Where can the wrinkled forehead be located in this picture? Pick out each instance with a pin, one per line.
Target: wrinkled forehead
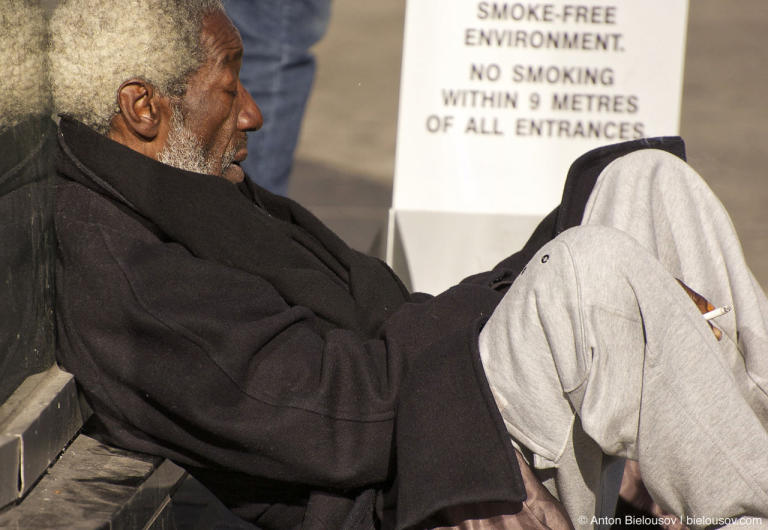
(220, 39)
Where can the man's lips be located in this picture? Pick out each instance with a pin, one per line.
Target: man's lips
(241, 154)
(234, 172)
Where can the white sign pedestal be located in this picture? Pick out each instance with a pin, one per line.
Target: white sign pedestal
(497, 100)
(433, 250)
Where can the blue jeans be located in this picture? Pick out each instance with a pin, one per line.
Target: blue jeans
(277, 70)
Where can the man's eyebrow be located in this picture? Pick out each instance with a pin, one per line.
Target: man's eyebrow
(234, 55)
(231, 55)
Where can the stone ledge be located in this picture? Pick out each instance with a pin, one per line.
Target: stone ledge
(36, 423)
(94, 486)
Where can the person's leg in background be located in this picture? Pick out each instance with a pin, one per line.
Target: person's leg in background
(278, 70)
(635, 366)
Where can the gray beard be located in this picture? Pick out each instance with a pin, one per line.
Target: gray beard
(184, 150)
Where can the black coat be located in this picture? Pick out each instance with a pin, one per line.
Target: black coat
(229, 330)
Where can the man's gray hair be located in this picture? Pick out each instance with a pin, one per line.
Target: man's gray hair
(96, 45)
(23, 86)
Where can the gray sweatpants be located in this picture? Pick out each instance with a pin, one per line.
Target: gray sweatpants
(597, 354)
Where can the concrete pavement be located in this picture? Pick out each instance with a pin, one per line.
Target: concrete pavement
(345, 160)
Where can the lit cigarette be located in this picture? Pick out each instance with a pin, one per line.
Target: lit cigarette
(718, 312)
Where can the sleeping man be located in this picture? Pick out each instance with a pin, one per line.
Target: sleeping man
(211, 322)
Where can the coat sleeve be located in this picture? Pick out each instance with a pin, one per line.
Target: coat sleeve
(209, 366)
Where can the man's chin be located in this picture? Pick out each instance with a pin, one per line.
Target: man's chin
(234, 173)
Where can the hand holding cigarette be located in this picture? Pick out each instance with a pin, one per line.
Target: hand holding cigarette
(707, 310)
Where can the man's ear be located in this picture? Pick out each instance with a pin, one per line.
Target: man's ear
(140, 108)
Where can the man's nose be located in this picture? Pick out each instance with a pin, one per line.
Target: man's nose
(249, 118)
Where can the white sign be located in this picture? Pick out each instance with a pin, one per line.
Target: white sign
(498, 98)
